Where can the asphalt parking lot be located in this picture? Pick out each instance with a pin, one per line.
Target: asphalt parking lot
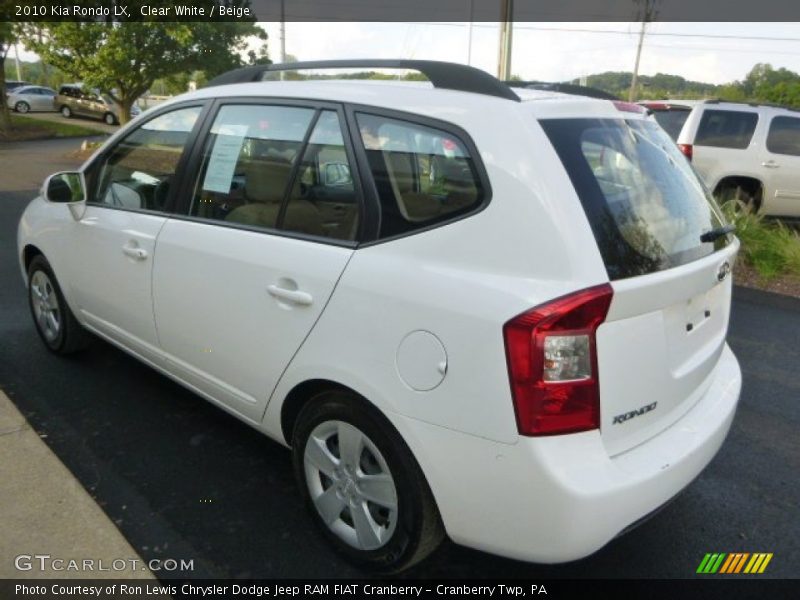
(183, 479)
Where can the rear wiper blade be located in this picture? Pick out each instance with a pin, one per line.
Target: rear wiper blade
(715, 234)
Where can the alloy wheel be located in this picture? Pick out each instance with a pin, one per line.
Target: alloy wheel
(350, 485)
(45, 306)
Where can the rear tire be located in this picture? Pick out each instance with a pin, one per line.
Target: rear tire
(744, 198)
(380, 512)
(66, 112)
(22, 107)
(55, 323)
(109, 119)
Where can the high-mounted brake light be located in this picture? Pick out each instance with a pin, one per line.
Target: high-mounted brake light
(629, 107)
(687, 149)
(552, 363)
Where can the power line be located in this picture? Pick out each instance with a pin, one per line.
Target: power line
(665, 34)
(624, 32)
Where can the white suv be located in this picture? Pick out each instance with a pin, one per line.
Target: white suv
(495, 315)
(747, 152)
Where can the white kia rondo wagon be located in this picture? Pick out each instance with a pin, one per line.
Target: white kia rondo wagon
(497, 315)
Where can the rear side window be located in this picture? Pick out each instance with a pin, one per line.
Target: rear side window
(726, 129)
(784, 136)
(423, 175)
(646, 207)
(278, 167)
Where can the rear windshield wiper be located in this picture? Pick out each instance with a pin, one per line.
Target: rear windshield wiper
(715, 234)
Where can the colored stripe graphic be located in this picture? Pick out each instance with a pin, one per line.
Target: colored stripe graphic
(758, 563)
(723, 563)
(734, 563)
(711, 563)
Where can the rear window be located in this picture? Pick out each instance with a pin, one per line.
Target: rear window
(726, 129)
(646, 207)
(784, 136)
(672, 120)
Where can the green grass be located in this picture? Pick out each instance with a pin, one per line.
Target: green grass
(26, 128)
(769, 246)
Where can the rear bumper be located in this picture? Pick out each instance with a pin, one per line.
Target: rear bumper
(561, 498)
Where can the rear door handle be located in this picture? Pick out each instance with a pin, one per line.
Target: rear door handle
(770, 164)
(135, 252)
(293, 296)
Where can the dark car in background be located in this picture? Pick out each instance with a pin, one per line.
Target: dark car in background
(670, 114)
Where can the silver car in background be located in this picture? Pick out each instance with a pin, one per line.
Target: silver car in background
(31, 98)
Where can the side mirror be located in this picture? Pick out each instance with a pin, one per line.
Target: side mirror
(67, 188)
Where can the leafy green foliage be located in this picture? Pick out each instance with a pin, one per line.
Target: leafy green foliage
(769, 246)
(762, 84)
(124, 59)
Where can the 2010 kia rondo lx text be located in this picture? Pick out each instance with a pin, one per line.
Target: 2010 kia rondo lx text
(493, 314)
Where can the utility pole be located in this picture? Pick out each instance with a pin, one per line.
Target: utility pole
(283, 35)
(648, 14)
(506, 32)
(469, 31)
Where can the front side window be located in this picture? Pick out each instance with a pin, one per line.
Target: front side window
(423, 175)
(784, 136)
(645, 205)
(138, 172)
(726, 129)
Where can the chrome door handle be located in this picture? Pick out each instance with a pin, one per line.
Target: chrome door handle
(293, 296)
(770, 164)
(135, 252)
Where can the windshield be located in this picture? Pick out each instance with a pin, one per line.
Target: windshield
(645, 204)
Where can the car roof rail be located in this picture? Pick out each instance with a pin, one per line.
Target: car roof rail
(444, 75)
(564, 88)
(752, 104)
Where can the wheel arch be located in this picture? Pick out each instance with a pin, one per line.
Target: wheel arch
(748, 182)
(29, 252)
(307, 391)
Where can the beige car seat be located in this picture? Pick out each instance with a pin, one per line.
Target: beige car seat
(265, 185)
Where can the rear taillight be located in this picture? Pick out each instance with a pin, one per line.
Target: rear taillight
(552, 363)
(687, 150)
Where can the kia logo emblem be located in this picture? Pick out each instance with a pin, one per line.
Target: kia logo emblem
(724, 270)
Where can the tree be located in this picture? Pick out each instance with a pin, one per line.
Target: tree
(7, 38)
(123, 59)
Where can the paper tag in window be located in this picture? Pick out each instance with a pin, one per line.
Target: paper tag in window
(224, 156)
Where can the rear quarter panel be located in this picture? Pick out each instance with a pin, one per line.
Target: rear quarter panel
(461, 282)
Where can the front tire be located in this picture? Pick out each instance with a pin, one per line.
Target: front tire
(22, 107)
(110, 119)
(55, 323)
(66, 112)
(362, 485)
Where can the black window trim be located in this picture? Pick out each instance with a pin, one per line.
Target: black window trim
(91, 170)
(195, 161)
(769, 132)
(459, 133)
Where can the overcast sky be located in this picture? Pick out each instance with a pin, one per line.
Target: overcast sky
(555, 51)
(546, 52)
